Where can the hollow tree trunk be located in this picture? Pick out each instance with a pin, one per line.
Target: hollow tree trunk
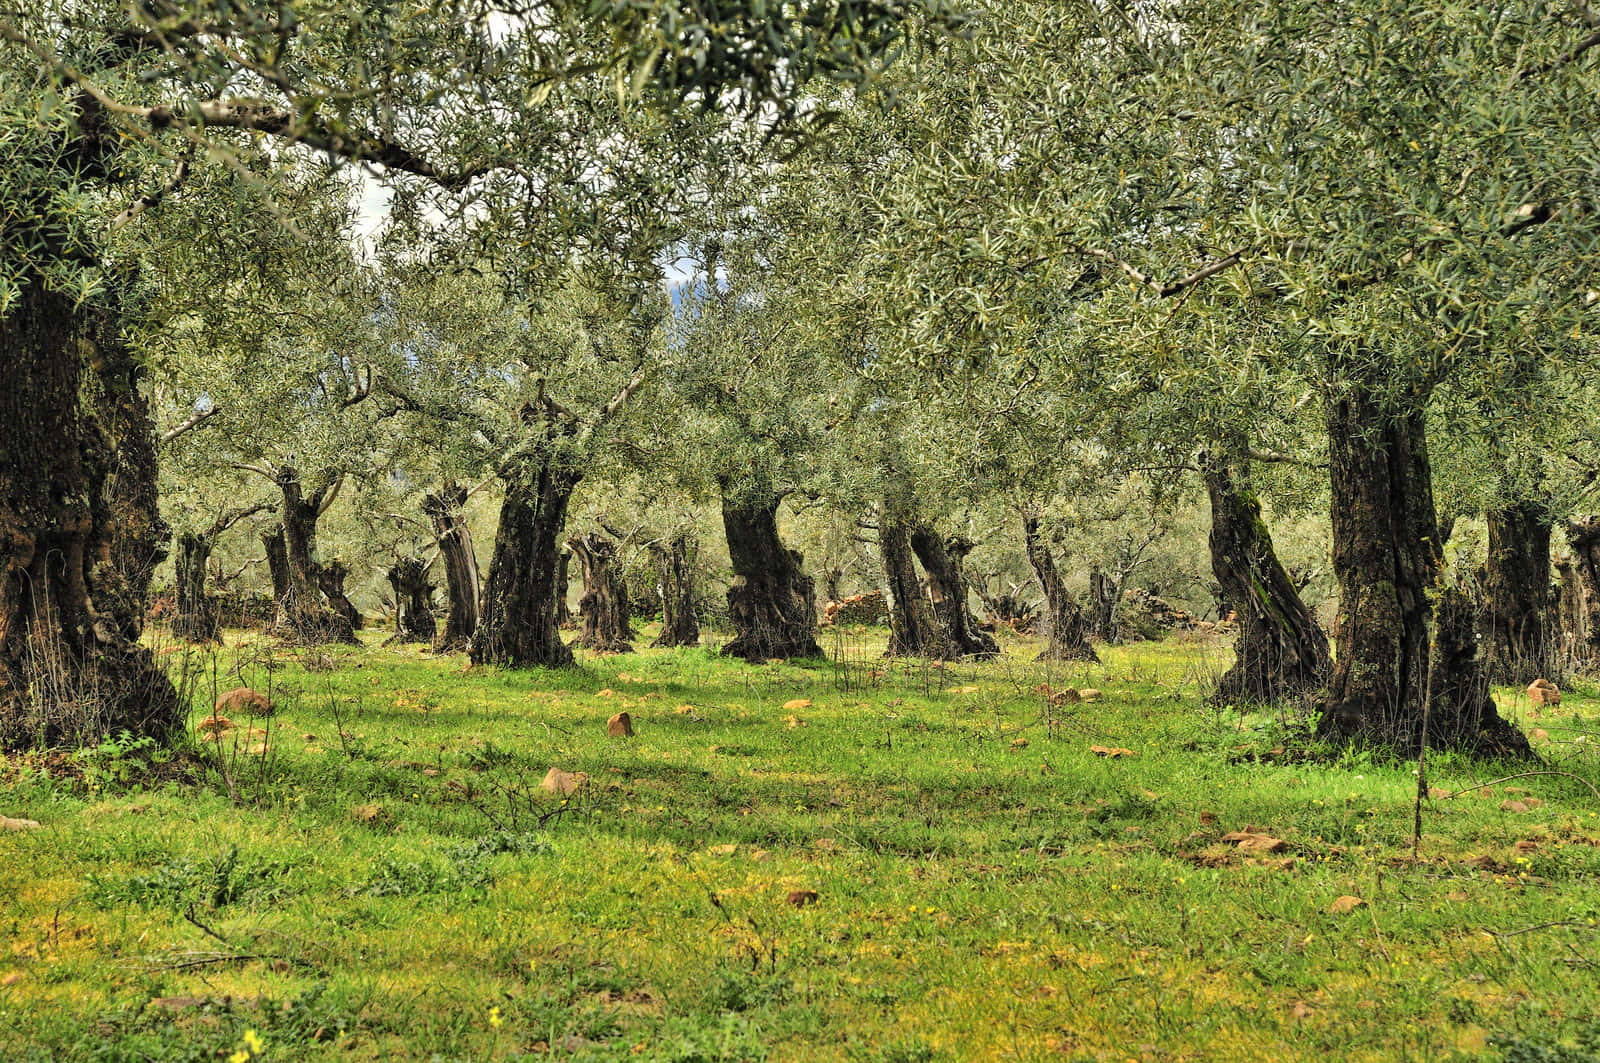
(772, 602)
(517, 627)
(460, 566)
(604, 605)
(680, 626)
(913, 630)
(198, 619)
(947, 587)
(71, 670)
(1069, 628)
(330, 578)
(309, 619)
(1387, 558)
(1518, 610)
(1583, 603)
(413, 601)
(563, 583)
(278, 568)
(1281, 651)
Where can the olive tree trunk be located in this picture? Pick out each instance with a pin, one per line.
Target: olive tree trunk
(413, 601)
(1581, 603)
(71, 667)
(443, 508)
(330, 578)
(1281, 651)
(308, 618)
(1388, 559)
(517, 627)
(1517, 607)
(947, 587)
(772, 602)
(278, 569)
(675, 561)
(913, 629)
(1069, 628)
(604, 605)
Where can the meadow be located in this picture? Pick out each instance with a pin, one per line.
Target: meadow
(843, 860)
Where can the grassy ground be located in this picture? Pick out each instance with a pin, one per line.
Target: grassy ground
(388, 880)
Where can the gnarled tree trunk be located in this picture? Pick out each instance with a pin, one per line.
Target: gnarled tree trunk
(413, 601)
(1281, 651)
(197, 617)
(278, 569)
(1388, 559)
(1102, 611)
(309, 620)
(1517, 607)
(460, 566)
(1069, 628)
(604, 605)
(563, 584)
(138, 534)
(330, 578)
(913, 630)
(680, 626)
(517, 627)
(772, 601)
(71, 669)
(947, 587)
(1582, 604)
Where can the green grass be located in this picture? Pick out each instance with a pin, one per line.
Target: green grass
(987, 887)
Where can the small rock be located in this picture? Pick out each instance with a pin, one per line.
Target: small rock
(620, 726)
(796, 704)
(7, 823)
(1089, 694)
(1344, 904)
(243, 699)
(1513, 806)
(564, 783)
(214, 726)
(1019, 743)
(1543, 692)
(803, 898)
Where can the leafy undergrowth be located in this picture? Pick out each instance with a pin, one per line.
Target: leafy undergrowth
(852, 861)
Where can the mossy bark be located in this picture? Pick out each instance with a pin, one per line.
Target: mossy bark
(913, 629)
(1518, 612)
(675, 566)
(456, 550)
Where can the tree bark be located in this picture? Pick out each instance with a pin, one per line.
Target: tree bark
(1517, 615)
(1388, 560)
(518, 625)
(947, 587)
(1103, 595)
(71, 670)
(604, 605)
(330, 578)
(772, 601)
(1281, 651)
(443, 508)
(138, 534)
(913, 630)
(309, 620)
(413, 601)
(1582, 602)
(563, 583)
(680, 625)
(1069, 628)
(197, 619)
(278, 568)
